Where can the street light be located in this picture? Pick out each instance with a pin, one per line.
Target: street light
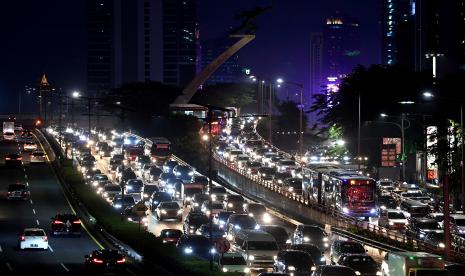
(76, 94)
(407, 102)
(384, 115)
(428, 94)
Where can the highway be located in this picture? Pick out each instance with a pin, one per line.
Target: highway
(65, 255)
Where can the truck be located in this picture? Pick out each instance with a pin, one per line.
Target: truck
(160, 150)
(413, 264)
(8, 130)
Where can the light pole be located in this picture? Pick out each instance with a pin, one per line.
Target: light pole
(359, 127)
(430, 95)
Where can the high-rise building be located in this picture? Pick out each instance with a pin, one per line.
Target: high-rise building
(316, 63)
(420, 33)
(141, 40)
(341, 40)
(229, 71)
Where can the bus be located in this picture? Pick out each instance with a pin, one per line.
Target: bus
(160, 150)
(351, 193)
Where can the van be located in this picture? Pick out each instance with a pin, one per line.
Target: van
(258, 248)
(413, 208)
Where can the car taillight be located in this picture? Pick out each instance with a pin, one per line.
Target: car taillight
(19, 158)
(57, 222)
(7, 158)
(95, 260)
(23, 238)
(77, 221)
(123, 260)
(45, 238)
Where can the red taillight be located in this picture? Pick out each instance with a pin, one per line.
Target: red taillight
(57, 222)
(19, 158)
(123, 260)
(45, 238)
(7, 158)
(23, 238)
(95, 260)
(77, 221)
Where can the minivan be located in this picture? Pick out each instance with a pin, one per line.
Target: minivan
(258, 248)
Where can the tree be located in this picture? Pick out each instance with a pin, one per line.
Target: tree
(240, 95)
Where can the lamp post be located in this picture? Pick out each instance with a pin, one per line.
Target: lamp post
(430, 95)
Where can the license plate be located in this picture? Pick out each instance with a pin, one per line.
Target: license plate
(33, 245)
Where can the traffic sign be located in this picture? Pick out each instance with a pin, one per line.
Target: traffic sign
(222, 245)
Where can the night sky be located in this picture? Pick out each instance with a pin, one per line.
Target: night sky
(50, 36)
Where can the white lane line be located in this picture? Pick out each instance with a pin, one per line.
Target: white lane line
(1, 249)
(34, 211)
(64, 267)
(25, 176)
(49, 247)
(37, 222)
(9, 267)
(30, 200)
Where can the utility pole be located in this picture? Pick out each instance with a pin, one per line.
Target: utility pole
(269, 114)
(123, 186)
(402, 118)
(462, 179)
(88, 108)
(359, 128)
(210, 119)
(447, 240)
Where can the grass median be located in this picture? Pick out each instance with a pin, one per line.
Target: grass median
(142, 241)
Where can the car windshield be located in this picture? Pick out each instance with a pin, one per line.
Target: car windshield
(262, 245)
(352, 247)
(198, 241)
(299, 259)
(313, 231)
(338, 271)
(112, 188)
(233, 260)
(135, 182)
(275, 231)
(245, 222)
(429, 225)
(163, 196)
(385, 183)
(224, 215)
(256, 208)
(235, 198)
(171, 233)
(311, 249)
(34, 233)
(359, 261)
(101, 177)
(16, 187)
(169, 205)
(218, 190)
(396, 215)
(430, 273)
(288, 163)
(460, 222)
(38, 154)
(128, 199)
(216, 205)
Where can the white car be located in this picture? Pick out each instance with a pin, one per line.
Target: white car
(10, 136)
(30, 146)
(233, 262)
(33, 238)
(37, 157)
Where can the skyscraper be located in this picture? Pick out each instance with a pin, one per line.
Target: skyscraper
(229, 71)
(316, 62)
(341, 40)
(395, 14)
(141, 40)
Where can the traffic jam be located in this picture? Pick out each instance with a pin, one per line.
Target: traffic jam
(141, 176)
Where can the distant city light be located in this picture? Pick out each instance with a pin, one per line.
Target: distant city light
(383, 115)
(428, 94)
(407, 102)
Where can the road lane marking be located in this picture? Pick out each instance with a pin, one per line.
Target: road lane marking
(9, 267)
(37, 222)
(34, 211)
(1, 249)
(64, 267)
(49, 247)
(25, 176)
(67, 200)
(30, 200)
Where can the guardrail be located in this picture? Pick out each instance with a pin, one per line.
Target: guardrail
(303, 208)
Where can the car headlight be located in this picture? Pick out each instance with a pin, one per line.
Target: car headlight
(441, 245)
(105, 194)
(177, 173)
(188, 250)
(230, 205)
(163, 211)
(345, 210)
(391, 223)
(246, 270)
(323, 259)
(129, 219)
(117, 206)
(291, 189)
(306, 239)
(379, 273)
(325, 239)
(266, 218)
(146, 195)
(357, 273)
(275, 257)
(288, 241)
(188, 198)
(191, 173)
(383, 207)
(422, 236)
(257, 227)
(291, 268)
(237, 227)
(225, 269)
(128, 187)
(179, 212)
(251, 257)
(280, 181)
(263, 174)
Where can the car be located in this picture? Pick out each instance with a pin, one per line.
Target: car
(199, 199)
(392, 219)
(183, 172)
(153, 174)
(221, 218)
(110, 191)
(252, 167)
(340, 247)
(99, 180)
(363, 264)
(127, 174)
(419, 227)
(90, 173)
(29, 146)
(194, 245)
(266, 173)
(105, 261)
(312, 234)
(387, 202)
(280, 177)
(218, 193)
(333, 270)
(457, 222)
(157, 198)
(455, 269)
(18, 192)
(37, 157)
(293, 261)
(257, 211)
(114, 164)
(66, 224)
(134, 186)
(169, 165)
(169, 210)
(193, 222)
(234, 203)
(286, 165)
(237, 222)
(436, 239)
(216, 231)
(279, 233)
(141, 160)
(135, 217)
(13, 159)
(215, 208)
(9, 136)
(293, 185)
(164, 178)
(105, 151)
(33, 238)
(439, 217)
(118, 201)
(149, 190)
(170, 235)
(232, 262)
(317, 256)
